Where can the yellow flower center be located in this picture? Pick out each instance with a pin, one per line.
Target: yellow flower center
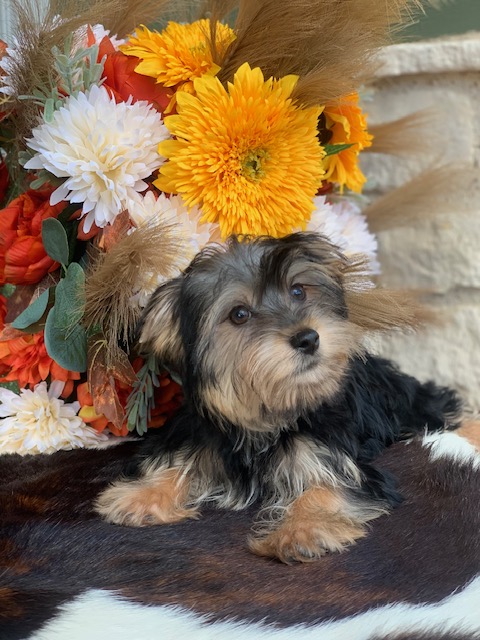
(252, 164)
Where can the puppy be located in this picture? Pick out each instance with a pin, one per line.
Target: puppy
(283, 407)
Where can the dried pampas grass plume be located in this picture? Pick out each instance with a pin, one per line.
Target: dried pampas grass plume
(377, 309)
(329, 44)
(115, 275)
(418, 132)
(431, 193)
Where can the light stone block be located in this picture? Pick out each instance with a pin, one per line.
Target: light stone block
(441, 255)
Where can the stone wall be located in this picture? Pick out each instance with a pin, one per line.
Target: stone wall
(441, 255)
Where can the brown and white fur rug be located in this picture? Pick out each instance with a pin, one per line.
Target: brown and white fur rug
(67, 575)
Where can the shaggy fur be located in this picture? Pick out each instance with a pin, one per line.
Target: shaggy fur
(283, 407)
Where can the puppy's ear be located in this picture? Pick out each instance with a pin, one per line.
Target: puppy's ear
(159, 328)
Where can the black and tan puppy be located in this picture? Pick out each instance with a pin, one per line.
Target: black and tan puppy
(284, 408)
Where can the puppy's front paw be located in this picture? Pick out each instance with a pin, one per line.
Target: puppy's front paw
(139, 504)
(300, 542)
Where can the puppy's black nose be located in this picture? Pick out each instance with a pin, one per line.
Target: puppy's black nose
(306, 341)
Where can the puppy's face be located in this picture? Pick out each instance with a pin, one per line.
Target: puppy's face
(259, 331)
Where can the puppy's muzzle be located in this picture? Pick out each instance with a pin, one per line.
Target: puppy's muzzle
(306, 341)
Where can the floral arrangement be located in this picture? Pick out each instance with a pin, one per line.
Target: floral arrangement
(133, 153)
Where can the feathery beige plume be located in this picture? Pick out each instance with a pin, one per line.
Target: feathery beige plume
(418, 132)
(327, 43)
(115, 276)
(430, 193)
(376, 309)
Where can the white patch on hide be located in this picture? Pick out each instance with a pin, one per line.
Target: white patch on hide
(452, 446)
(102, 615)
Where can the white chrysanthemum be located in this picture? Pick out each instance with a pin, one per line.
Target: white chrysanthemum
(346, 227)
(39, 421)
(8, 63)
(99, 33)
(192, 235)
(104, 149)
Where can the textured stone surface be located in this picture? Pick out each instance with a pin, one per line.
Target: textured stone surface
(450, 54)
(441, 255)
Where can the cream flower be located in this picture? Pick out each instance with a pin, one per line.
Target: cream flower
(191, 234)
(99, 33)
(39, 421)
(82, 37)
(104, 149)
(345, 226)
(173, 210)
(8, 64)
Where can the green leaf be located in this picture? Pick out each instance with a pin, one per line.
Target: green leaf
(39, 182)
(33, 312)
(12, 386)
(71, 227)
(48, 110)
(7, 290)
(55, 241)
(332, 149)
(132, 417)
(65, 337)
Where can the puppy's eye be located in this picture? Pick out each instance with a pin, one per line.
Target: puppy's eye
(297, 291)
(240, 315)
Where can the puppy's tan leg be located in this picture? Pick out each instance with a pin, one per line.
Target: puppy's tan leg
(470, 430)
(319, 521)
(159, 497)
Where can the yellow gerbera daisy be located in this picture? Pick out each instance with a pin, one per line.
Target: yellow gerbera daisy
(348, 125)
(179, 54)
(248, 155)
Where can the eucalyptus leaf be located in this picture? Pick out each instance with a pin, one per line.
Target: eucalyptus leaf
(55, 241)
(12, 386)
(65, 337)
(39, 182)
(7, 290)
(48, 110)
(132, 416)
(68, 349)
(332, 149)
(33, 312)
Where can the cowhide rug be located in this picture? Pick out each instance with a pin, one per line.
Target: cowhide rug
(66, 575)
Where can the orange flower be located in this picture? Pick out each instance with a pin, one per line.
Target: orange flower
(23, 259)
(25, 359)
(347, 124)
(168, 398)
(90, 417)
(178, 55)
(121, 79)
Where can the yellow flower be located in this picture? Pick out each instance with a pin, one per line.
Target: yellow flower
(179, 54)
(348, 125)
(248, 155)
